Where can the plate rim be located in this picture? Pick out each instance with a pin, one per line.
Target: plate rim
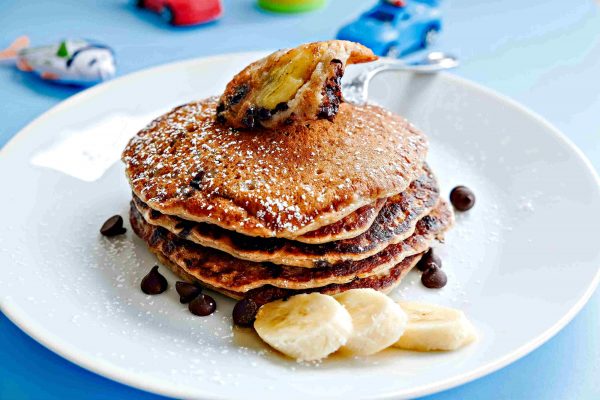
(161, 386)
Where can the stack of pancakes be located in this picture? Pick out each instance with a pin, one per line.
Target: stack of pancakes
(320, 206)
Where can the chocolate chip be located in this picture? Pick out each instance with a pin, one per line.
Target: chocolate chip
(427, 222)
(249, 119)
(264, 114)
(244, 312)
(154, 282)
(154, 214)
(283, 106)
(239, 94)
(462, 198)
(185, 232)
(159, 234)
(434, 278)
(220, 110)
(274, 269)
(202, 305)
(196, 181)
(428, 260)
(113, 226)
(252, 243)
(187, 291)
(332, 93)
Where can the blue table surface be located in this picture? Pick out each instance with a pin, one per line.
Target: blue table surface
(543, 53)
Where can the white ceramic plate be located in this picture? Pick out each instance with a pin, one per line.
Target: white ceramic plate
(521, 263)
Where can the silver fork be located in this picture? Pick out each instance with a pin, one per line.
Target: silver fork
(357, 90)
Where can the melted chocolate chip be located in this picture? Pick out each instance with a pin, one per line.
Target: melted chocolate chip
(264, 114)
(158, 235)
(244, 312)
(239, 94)
(462, 198)
(428, 221)
(434, 278)
(196, 182)
(428, 260)
(113, 226)
(283, 106)
(254, 115)
(274, 269)
(183, 224)
(154, 282)
(187, 291)
(202, 305)
(249, 119)
(252, 243)
(220, 110)
(185, 232)
(332, 92)
(154, 214)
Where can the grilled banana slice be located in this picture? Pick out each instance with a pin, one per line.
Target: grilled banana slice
(431, 327)
(307, 327)
(290, 86)
(378, 321)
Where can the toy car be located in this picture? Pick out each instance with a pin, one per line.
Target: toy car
(395, 28)
(184, 12)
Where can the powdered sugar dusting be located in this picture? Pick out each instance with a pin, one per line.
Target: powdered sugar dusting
(271, 182)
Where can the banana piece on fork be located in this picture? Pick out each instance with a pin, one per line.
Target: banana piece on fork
(290, 86)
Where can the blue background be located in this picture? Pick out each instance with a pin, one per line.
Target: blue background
(543, 53)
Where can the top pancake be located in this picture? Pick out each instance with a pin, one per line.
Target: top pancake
(272, 183)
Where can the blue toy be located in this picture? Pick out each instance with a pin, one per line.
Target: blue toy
(72, 61)
(395, 28)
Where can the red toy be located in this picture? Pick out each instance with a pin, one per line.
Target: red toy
(184, 12)
(397, 3)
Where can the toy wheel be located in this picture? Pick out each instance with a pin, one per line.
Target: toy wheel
(393, 51)
(167, 15)
(431, 36)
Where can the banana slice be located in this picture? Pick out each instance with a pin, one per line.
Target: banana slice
(431, 327)
(306, 327)
(378, 321)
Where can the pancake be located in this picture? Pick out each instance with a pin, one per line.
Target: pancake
(394, 223)
(384, 282)
(221, 270)
(272, 183)
(348, 227)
